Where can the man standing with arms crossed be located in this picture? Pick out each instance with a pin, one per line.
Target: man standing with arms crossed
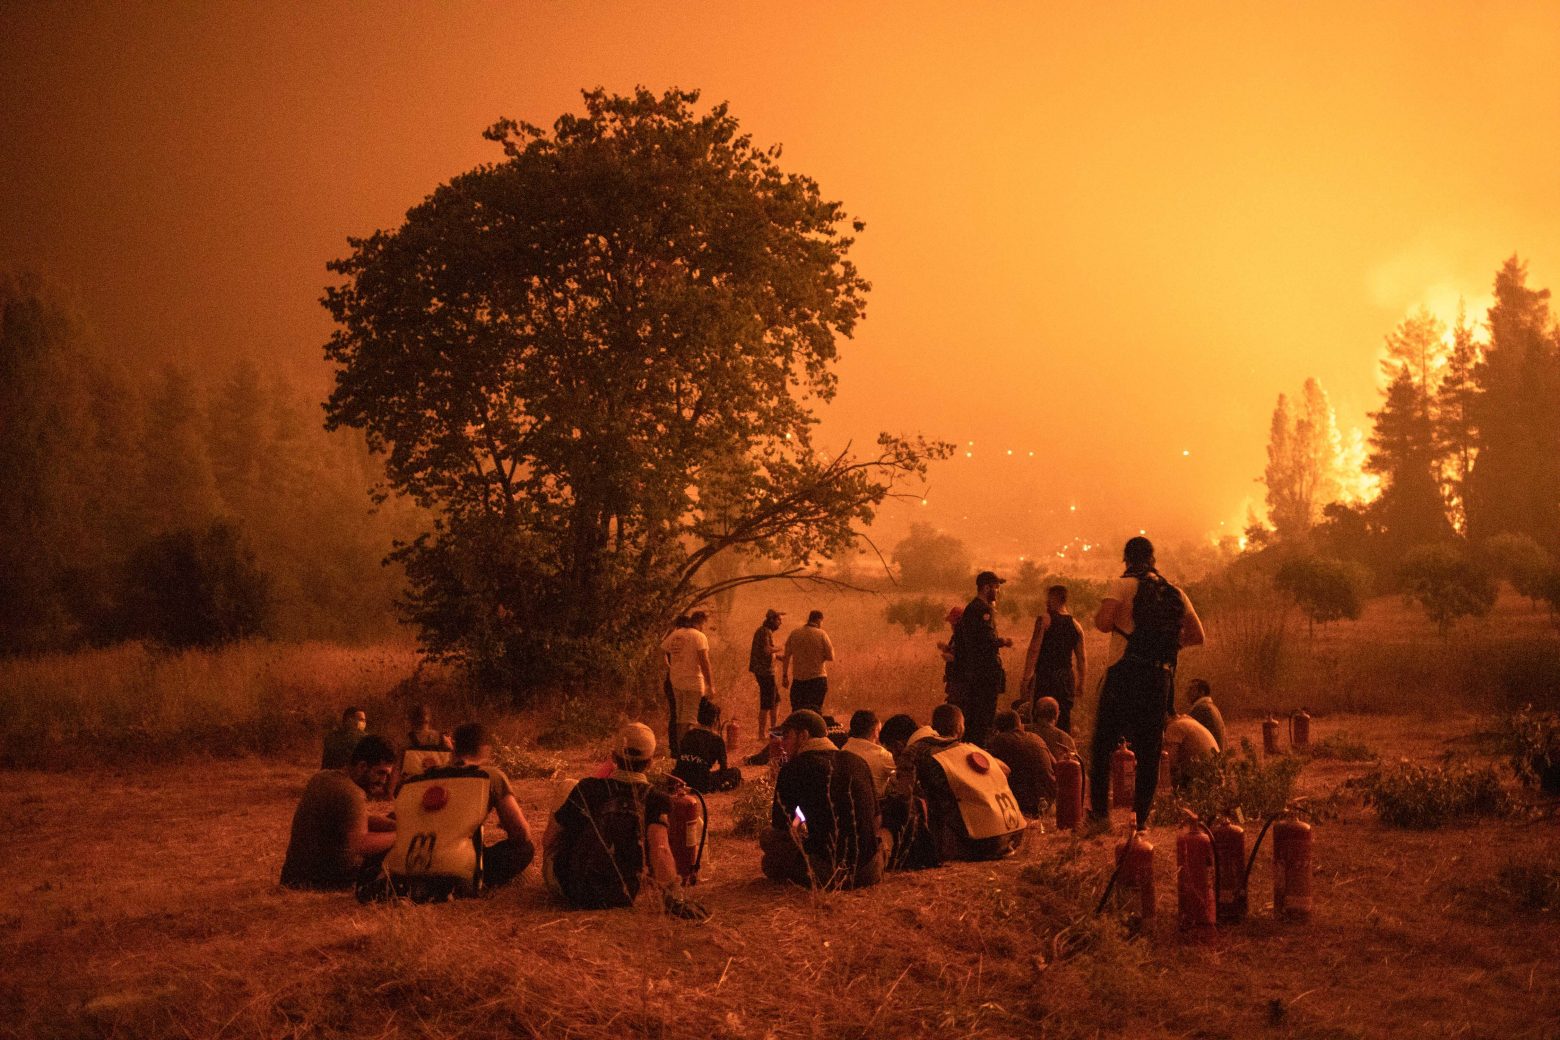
(761, 662)
(1053, 666)
(808, 651)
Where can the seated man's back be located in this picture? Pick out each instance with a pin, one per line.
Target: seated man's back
(1032, 773)
(1188, 741)
(1207, 713)
(601, 853)
(1057, 740)
(701, 760)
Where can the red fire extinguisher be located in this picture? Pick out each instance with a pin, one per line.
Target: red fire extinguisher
(1123, 777)
(730, 734)
(1270, 736)
(1134, 870)
(1292, 843)
(1229, 850)
(1069, 793)
(1164, 770)
(1300, 729)
(1196, 866)
(1292, 840)
(689, 827)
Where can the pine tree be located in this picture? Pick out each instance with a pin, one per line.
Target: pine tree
(1403, 450)
(1455, 432)
(181, 490)
(1514, 482)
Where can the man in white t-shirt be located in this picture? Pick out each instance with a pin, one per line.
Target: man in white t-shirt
(1188, 742)
(687, 652)
(1149, 621)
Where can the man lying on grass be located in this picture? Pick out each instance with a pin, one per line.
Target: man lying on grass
(611, 831)
(333, 834)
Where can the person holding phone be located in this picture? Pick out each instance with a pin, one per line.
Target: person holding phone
(824, 825)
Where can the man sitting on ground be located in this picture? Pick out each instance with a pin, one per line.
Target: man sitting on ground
(1031, 771)
(1188, 742)
(341, 738)
(333, 833)
(864, 741)
(1058, 740)
(701, 755)
(824, 822)
(612, 831)
(970, 812)
(1205, 711)
(439, 818)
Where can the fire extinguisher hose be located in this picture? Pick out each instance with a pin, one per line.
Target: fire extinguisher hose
(1110, 886)
(1213, 849)
(704, 830)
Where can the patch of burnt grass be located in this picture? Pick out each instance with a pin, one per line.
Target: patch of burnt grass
(1423, 797)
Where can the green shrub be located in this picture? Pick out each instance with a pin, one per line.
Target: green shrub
(1424, 797)
(1340, 747)
(750, 810)
(1234, 784)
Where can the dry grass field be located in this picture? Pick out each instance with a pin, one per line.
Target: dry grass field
(140, 895)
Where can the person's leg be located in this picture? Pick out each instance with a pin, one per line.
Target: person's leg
(1064, 698)
(1107, 732)
(687, 715)
(768, 696)
(782, 858)
(505, 861)
(1146, 733)
(979, 712)
(671, 717)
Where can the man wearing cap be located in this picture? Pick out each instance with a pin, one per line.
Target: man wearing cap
(824, 823)
(977, 663)
(761, 662)
(805, 666)
(610, 832)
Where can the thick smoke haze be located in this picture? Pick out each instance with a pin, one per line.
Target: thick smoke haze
(1106, 239)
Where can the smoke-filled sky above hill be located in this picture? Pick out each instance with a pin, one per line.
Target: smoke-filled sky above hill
(1101, 239)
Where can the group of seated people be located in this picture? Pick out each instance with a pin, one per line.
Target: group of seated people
(847, 807)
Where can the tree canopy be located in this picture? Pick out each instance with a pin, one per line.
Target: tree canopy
(597, 361)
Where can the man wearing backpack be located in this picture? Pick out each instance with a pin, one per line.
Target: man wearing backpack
(1149, 621)
(611, 831)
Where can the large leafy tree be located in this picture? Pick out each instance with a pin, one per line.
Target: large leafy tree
(597, 362)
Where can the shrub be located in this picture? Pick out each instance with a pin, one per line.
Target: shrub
(911, 614)
(750, 809)
(1340, 747)
(1324, 589)
(520, 763)
(1234, 784)
(1532, 739)
(1425, 797)
(193, 588)
(1447, 584)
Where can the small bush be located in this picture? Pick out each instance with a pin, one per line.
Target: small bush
(1340, 747)
(911, 614)
(1530, 887)
(1424, 797)
(1234, 784)
(750, 810)
(1532, 739)
(520, 763)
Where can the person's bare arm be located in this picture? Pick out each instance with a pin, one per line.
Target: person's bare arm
(1105, 617)
(663, 868)
(1192, 633)
(365, 839)
(512, 819)
(1032, 655)
(785, 665)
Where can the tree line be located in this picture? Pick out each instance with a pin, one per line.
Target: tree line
(1458, 483)
(147, 503)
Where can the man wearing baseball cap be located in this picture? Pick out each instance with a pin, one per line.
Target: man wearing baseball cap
(978, 678)
(761, 662)
(612, 831)
(824, 823)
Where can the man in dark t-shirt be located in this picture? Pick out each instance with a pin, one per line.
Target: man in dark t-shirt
(611, 832)
(824, 823)
(761, 662)
(977, 663)
(701, 755)
(333, 834)
(1032, 772)
(1053, 665)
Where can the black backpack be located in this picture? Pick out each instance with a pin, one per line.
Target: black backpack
(1157, 612)
(603, 859)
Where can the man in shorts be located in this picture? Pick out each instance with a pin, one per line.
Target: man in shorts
(761, 662)
(805, 667)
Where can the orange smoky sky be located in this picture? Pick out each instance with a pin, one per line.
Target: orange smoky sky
(1109, 235)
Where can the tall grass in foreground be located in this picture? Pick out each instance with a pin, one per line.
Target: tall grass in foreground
(134, 702)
